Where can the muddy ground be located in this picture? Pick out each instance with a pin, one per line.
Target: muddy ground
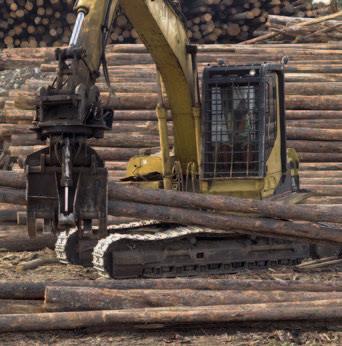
(234, 334)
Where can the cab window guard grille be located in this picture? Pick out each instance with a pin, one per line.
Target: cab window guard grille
(231, 130)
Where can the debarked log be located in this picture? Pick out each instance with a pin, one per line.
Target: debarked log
(12, 196)
(316, 146)
(221, 203)
(330, 88)
(316, 310)
(300, 231)
(138, 101)
(301, 133)
(8, 215)
(326, 102)
(316, 123)
(105, 153)
(86, 299)
(8, 306)
(325, 190)
(16, 239)
(187, 200)
(12, 179)
(321, 166)
(313, 114)
(30, 290)
(319, 157)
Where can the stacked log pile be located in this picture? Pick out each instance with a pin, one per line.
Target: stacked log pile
(226, 21)
(28, 306)
(260, 218)
(322, 32)
(41, 23)
(314, 116)
(294, 30)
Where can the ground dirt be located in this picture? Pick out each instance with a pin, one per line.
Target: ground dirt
(234, 334)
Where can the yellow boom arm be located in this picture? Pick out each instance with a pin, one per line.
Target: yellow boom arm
(164, 35)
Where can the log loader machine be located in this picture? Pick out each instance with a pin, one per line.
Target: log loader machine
(229, 138)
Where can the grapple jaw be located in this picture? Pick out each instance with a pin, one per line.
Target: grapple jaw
(66, 190)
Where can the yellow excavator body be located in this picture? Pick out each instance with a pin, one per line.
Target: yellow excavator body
(228, 138)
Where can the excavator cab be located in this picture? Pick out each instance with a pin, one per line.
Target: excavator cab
(242, 135)
(243, 131)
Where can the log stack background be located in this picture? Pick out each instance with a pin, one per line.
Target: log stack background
(41, 23)
(314, 107)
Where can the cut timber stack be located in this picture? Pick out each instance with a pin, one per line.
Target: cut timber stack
(326, 31)
(314, 107)
(226, 21)
(314, 115)
(27, 306)
(41, 23)
(257, 218)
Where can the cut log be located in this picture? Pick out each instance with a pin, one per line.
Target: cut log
(312, 114)
(317, 124)
(17, 240)
(305, 232)
(325, 190)
(321, 181)
(324, 200)
(316, 146)
(87, 299)
(314, 134)
(12, 196)
(12, 179)
(21, 306)
(28, 101)
(327, 102)
(316, 310)
(333, 88)
(319, 157)
(220, 203)
(303, 24)
(321, 166)
(28, 290)
(8, 215)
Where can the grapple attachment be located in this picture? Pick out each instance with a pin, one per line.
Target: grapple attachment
(66, 187)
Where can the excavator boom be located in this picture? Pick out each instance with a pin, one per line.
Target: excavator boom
(160, 28)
